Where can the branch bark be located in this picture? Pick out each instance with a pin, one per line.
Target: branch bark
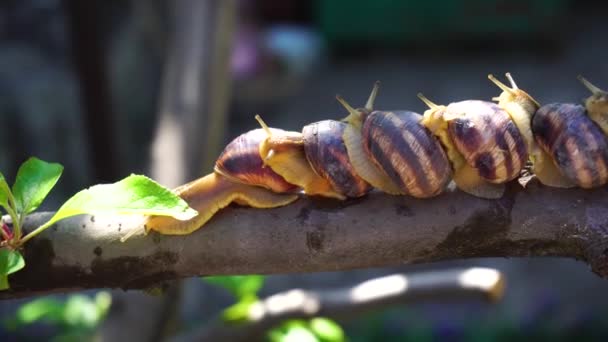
(315, 235)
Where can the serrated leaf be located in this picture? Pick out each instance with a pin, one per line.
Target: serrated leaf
(239, 286)
(34, 181)
(135, 194)
(4, 191)
(10, 262)
(326, 330)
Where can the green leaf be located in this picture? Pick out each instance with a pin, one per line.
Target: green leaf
(77, 314)
(297, 333)
(135, 194)
(43, 308)
(10, 262)
(4, 192)
(239, 312)
(326, 329)
(238, 286)
(34, 181)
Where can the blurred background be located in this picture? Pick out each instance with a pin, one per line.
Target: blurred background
(109, 88)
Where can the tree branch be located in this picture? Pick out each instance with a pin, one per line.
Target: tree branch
(484, 284)
(315, 235)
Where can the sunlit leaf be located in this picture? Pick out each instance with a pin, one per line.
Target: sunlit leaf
(299, 334)
(44, 308)
(10, 262)
(4, 191)
(239, 312)
(34, 181)
(238, 286)
(75, 315)
(135, 194)
(326, 329)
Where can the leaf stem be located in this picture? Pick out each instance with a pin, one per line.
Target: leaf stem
(36, 232)
(15, 216)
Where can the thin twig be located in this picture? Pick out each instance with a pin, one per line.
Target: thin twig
(398, 289)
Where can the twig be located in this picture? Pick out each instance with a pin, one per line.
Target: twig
(458, 284)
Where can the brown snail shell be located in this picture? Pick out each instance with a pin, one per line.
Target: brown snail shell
(241, 162)
(326, 153)
(399, 145)
(577, 146)
(488, 139)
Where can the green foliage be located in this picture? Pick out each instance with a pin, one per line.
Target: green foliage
(244, 288)
(34, 181)
(10, 262)
(239, 311)
(318, 329)
(135, 194)
(76, 317)
(4, 191)
(238, 286)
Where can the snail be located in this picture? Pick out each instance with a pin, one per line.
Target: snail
(480, 145)
(522, 108)
(574, 144)
(484, 145)
(394, 152)
(596, 105)
(316, 160)
(239, 176)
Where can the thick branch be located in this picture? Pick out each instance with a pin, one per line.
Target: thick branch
(315, 235)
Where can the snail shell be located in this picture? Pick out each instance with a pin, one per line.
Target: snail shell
(488, 139)
(399, 145)
(241, 162)
(326, 153)
(577, 146)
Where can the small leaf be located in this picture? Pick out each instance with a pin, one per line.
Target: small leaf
(34, 181)
(135, 194)
(43, 308)
(299, 334)
(326, 330)
(10, 262)
(4, 191)
(239, 286)
(239, 312)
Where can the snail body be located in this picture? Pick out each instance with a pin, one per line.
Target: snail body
(576, 145)
(596, 105)
(240, 176)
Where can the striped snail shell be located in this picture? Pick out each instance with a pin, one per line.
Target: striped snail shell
(402, 149)
(240, 161)
(576, 145)
(326, 153)
(488, 139)
(356, 150)
(484, 146)
(407, 152)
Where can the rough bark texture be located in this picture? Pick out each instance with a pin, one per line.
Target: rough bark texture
(315, 235)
